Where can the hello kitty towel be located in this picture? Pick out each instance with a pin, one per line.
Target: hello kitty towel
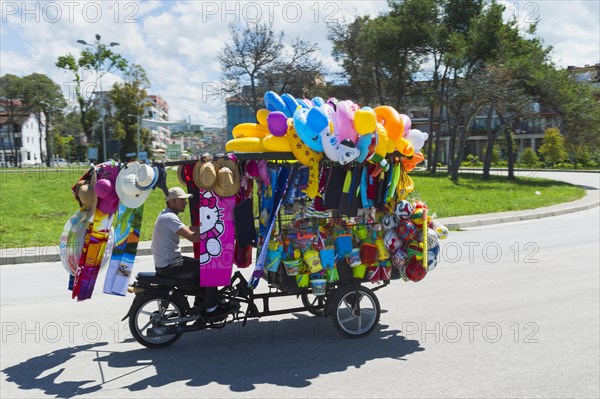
(217, 235)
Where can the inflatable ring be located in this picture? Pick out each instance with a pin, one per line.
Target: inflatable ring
(277, 144)
(245, 144)
(301, 151)
(274, 102)
(250, 130)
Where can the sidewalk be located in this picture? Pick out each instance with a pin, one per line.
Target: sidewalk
(13, 256)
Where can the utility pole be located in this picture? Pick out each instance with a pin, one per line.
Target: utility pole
(99, 61)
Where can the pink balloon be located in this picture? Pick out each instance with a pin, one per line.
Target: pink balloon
(277, 123)
(407, 124)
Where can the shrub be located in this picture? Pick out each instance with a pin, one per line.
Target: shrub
(529, 158)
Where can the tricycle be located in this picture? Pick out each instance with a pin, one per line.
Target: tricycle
(161, 313)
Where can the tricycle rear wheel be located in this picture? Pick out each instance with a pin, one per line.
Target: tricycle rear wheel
(355, 310)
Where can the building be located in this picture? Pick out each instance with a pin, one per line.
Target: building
(157, 109)
(22, 132)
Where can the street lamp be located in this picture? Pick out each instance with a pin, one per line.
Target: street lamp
(98, 47)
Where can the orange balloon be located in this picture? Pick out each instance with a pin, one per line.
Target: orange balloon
(391, 120)
(410, 163)
(405, 147)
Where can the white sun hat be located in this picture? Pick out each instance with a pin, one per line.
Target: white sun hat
(134, 184)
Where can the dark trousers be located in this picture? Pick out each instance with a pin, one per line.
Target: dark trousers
(186, 267)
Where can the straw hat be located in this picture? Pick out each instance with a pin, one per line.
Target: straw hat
(205, 175)
(180, 175)
(228, 178)
(134, 184)
(85, 192)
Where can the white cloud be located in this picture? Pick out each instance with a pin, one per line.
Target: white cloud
(178, 42)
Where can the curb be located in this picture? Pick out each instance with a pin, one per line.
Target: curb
(13, 256)
(518, 218)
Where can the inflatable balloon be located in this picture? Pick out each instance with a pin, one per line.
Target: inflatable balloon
(365, 120)
(343, 121)
(318, 118)
(277, 123)
(417, 138)
(291, 103)
(249, 130)
(330, 143)
(274, 102)
(312, 138)
(410, 163)
(306, 103)
(366, 145)
(347, 152)
(317, 101)
(261, 116)
(404, 147)
(276, 144)
(245, 144)
(390, 119)
(301, 151)
(406, 123)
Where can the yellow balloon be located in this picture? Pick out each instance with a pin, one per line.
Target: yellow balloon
(365, 121)
(301, 151)
(405, 147)
(277, 144)
(245, 144)
(382, 141)
(261, 116)
(250, 130)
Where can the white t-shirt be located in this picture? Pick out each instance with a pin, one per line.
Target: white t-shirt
(165, 241)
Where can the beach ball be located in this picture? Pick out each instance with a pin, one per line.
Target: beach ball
(403, 209)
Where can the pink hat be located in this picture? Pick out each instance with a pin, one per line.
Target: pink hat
(108, 200)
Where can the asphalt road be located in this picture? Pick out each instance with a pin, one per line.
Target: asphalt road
(512, 310)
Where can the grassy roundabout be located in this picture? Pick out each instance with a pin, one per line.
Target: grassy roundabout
(35, 204)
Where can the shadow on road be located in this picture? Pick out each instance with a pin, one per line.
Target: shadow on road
(284, 353)
(32, 373)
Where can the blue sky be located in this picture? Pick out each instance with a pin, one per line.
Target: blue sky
(178, 42)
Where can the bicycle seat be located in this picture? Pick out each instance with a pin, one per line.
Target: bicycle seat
(153, 278)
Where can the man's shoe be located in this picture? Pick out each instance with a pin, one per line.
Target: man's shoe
(221, 312)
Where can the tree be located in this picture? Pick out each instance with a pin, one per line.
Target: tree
(88, 61)
(296, 72)
(128, 99)
(43, 97)
(553, 146)
(254, 48)
(363, 71)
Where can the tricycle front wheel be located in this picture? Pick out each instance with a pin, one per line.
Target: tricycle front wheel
(355, 310)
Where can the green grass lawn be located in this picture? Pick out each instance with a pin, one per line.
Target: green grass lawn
(472, 195)
(36, 203)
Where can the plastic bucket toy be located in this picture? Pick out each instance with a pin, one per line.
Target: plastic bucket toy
(343, 245)
(319, 286)
(292, 266)
(327, 256)
(354, 258)
(369, 254)
(382, 251)
(313, 261)
(274, 253)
